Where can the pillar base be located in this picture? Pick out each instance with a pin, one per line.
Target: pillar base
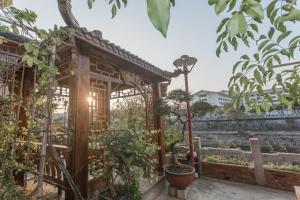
(180, 194)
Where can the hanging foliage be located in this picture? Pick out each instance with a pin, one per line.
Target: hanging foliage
(37, 46)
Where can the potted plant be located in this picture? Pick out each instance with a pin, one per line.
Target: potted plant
(128, 157)
(180, 176)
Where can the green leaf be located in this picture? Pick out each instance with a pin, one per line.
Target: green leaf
(245, 57)
(281, 27)
(29, 61)
(257, 75)
(294, 14)
(225, 47)
(220, 6)
(270, 51)
(113, 11)
(222, 23)
(294, 39)
(257, 109)
(218, 51)
(212, 2)
(271, 7)
(219, 38)
(5, 3)
(271, 32)
(283, 36)
(254, 27)
(124, 2)
(256, 56)
(245, 65)
(236, 25)
(245, 40)
(273, 15)
(250, 34)
(254, 9)
(231, 5)
(265, 106)
(285, 53)
(159, 14)
(269, 46)
(262, 37)
(235, 66)
(118, 4)
(262, 44)
(278, 60)
(90, 4)
(234, 43)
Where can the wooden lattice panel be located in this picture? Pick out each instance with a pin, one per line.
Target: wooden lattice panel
(104, 68)
(98, 105)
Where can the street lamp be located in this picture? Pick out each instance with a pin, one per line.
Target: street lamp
(185, 65)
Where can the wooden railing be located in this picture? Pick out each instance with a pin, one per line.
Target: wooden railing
(53, 173)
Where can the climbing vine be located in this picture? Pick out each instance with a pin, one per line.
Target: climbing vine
(37, 47)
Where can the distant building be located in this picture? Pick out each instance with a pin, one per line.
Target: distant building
(255, 96)
(214, 98)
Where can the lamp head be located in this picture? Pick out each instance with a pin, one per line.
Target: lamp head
(184, 61)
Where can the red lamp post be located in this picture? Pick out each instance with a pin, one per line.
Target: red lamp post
(184, 65)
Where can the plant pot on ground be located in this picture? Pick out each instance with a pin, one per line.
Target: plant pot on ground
(179, 176)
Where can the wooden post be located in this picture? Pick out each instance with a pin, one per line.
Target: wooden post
(79, 93)
(159, 124)
(258, 161)
(23, 90)
(198, 151)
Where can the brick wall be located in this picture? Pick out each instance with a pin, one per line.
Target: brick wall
(282, 179)
(276, 179)
(228, 172)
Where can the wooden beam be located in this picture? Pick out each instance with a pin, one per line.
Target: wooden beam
(79, 92)
(159, 124)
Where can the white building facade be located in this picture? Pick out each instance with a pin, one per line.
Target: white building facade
(255, 96)
(214, 98)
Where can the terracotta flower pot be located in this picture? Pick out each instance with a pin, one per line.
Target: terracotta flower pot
(179, 176)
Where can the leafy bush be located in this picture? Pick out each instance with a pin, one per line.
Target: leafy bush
(129, 155)
(283, 166)
(172, 134)
(222, 159)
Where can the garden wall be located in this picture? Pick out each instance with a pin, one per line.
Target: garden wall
(292, 158)
(255, 124)
(280, 141)
(276, 179)
(234, 173)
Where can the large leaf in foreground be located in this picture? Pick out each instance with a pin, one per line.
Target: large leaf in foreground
(237, 24)
(159, 14)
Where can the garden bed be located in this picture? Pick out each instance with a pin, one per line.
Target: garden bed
(277, 179)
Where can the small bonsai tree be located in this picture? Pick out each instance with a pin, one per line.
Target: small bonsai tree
(174, 108)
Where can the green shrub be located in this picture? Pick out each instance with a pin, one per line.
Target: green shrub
(222, 159)
(283, 166)
(129, 155)
(172, 134)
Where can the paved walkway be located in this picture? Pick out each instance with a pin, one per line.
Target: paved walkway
(213, 189)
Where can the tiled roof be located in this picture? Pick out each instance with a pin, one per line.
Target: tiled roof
(13, 37)
(95, 38)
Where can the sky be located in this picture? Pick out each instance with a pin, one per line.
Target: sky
(192, 31)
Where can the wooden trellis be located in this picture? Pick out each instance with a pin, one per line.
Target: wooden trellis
(92, 71)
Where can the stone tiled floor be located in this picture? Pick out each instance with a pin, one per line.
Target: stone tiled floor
(213, 189)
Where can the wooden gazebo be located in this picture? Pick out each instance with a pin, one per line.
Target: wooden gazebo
(90, 66)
